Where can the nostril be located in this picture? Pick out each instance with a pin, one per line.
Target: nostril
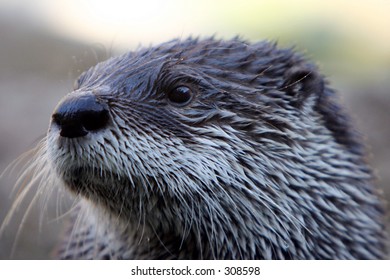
(76, 115)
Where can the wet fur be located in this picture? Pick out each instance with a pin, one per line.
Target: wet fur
(261, 164)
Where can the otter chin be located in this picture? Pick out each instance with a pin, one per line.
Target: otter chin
(212, 149)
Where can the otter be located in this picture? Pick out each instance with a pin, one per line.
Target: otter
(211, 149)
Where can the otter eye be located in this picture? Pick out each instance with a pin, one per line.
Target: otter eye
(180, 95)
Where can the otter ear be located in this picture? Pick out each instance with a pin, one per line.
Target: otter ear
(302, 82)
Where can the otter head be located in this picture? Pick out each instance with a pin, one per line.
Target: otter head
(237, 149)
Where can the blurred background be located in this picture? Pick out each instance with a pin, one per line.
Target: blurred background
(45, 45)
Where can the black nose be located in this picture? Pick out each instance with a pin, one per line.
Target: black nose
(78, 114)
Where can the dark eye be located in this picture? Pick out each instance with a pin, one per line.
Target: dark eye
(180, 95)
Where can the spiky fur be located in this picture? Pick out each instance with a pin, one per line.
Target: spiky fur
(262, 164)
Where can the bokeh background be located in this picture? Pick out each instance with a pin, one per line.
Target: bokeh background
(44, 45)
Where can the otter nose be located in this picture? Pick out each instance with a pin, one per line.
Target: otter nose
(76, 115)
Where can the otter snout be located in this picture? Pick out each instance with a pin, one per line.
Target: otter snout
(78, 114)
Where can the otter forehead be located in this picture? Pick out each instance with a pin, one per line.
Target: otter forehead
(221, 65)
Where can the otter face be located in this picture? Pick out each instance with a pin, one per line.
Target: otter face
(219, 140)
(182, 118)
